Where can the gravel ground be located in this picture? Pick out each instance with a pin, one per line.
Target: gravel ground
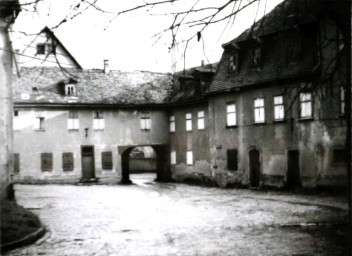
(151, 218)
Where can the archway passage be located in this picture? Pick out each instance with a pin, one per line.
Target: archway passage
(254, 168)
(162, 162)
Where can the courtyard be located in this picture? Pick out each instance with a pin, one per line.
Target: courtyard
(150, 218)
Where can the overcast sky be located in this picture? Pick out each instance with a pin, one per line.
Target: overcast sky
(128, 41)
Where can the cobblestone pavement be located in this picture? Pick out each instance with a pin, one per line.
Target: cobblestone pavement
(151, 218)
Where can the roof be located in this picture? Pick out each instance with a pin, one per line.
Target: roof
(188, 86)
(273, 49)
(285, 15)
(47, 30)
(93, 86)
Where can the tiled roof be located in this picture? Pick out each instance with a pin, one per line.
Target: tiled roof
(273, 52)
(93, 87)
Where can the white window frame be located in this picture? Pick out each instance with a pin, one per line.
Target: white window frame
(72, 121)
(145, 121)
(189, 158)
(39, 124)
(189, 122)
(201, 120)
(306, 105)
(172, 123)
(173, 157)
(231, 116)
(70, 90)
(279, 108)
(259, 110)
(98, 120)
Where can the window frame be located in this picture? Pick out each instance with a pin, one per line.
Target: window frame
(233, 62)
(98, 120)
(40, 49)
(48, 167)
(145, 121)
(68, 167)
(305, 102)
(172, 123)
(173, 157)
(258, 108)
(228, 113)
(275, 105)
(189, 125)
(252, 57)
(293, 43)
(107, 161)
(201, 120)
(72, 121)
(189, 158)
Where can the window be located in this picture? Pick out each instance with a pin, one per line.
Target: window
(293, 49)
(173, 157)
(201, 120)
(339, 157)
(342, 101)
(39, 121)
(233, 62)
(67, 162)
(255, 57)
(231, 114)
(306, 105)
(98, 121)
(40, 48)
(172, 124)
(188, 122)
(16, 163)
(73, 121)
(189, 158)
(145, 121)
(106, 160)
(279, 113)
(15, 122)
(70, 90)
(46, 162)
(259, 111)
(232, 159)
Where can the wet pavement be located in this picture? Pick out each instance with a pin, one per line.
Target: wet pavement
(151, 218)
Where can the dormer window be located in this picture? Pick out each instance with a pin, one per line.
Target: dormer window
(293, 49)
(255, 57)
(233, 62)
(70, 90)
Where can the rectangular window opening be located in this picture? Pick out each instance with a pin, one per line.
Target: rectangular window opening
(188, 122)
(231, 114)
(107, 163)
(279, 109)
(189, 158)
(67, 162)
(98, 121)
(259, 110)
(201, 122)
(306, 106)
(232, 164)
(46, 162)
(173, 157)
(172, 124)
(73, 121)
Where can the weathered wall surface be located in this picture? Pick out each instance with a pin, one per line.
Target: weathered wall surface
(122, 128)
(196, 141)
(314, 138)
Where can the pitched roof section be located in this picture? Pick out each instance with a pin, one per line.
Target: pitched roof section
(93, 87)
(274, 66)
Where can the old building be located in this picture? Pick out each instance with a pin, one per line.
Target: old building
(270, 113)
(73, 124)
(277, 102)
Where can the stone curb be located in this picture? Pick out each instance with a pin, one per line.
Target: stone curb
(27, 240)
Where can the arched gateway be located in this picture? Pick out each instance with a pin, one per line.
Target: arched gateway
(162, 162)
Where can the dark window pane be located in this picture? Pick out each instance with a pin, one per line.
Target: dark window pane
(106, 160)
(40, 48)
(232, 159)
(16, 162)
(46, 162)
(339, 157)
(67, 161)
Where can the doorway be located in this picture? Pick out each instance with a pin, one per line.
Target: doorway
(254, 168)
(88, 170)
(293, 171)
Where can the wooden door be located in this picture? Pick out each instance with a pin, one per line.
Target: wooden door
(254, 168)
(293, 171)
(88, 170)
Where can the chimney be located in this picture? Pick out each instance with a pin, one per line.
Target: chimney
(106, 67)
(202, 63)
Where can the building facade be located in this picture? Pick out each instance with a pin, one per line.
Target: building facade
(270, 113)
